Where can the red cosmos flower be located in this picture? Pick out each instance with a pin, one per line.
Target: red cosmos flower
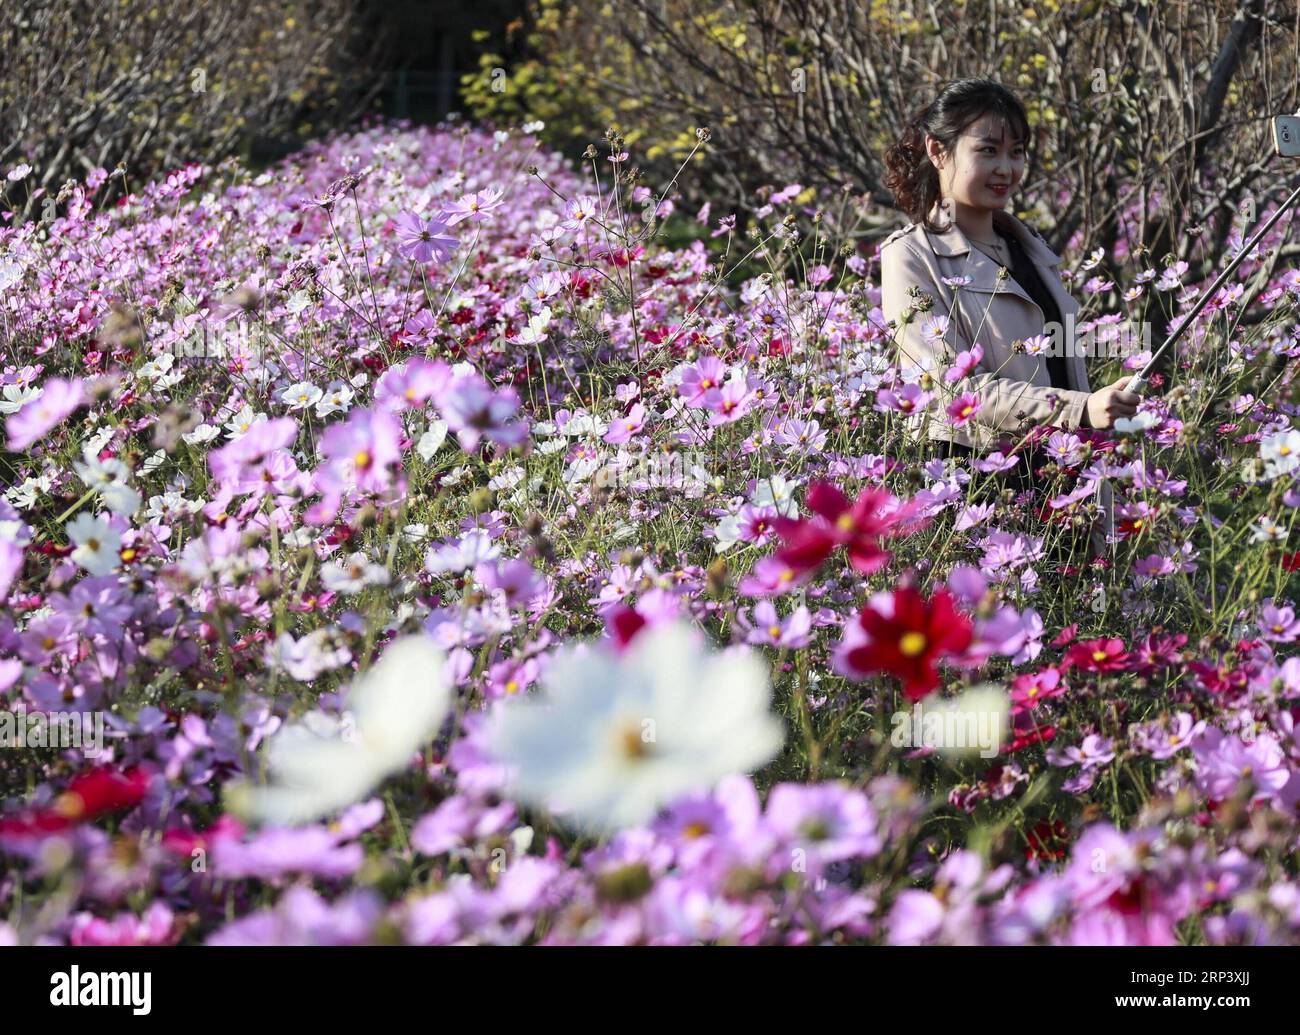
(103, 789)
(908, 642)
(858, 525)
(1291, 561)
(89, 794)
(1026, 732)
(1219, 679)
(1030, 689)
(183, 841)
(1096, 656)
(1047, 840)
(1066, 635)
(624, 623)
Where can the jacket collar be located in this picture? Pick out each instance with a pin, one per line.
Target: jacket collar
(953, 242)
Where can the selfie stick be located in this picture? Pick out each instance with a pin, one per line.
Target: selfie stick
(1286, 141)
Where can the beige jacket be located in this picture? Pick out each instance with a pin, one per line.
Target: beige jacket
(1014, 388)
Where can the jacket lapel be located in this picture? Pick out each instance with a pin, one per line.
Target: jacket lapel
(983, 271)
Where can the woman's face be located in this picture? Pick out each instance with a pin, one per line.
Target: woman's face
(985, 158)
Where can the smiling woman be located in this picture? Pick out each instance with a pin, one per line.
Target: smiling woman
(996, 328)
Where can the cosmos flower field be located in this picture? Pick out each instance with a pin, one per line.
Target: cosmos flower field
(451, 561)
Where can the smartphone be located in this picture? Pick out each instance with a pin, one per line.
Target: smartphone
(1286, 135)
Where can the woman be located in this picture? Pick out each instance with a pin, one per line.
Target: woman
(953, 172)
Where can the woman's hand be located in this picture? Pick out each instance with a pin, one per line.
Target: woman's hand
(1107, 405)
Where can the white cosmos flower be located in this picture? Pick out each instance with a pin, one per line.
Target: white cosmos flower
(536, 329)
(507, 479)
(1140, 421)
(353, 574)
(585, 424)
(109, 480)
(461, 554)
(432, 439)
(777, 493)
(726, 533)
(336, 400)
(614, 737)
(320, 765)
(1280, 452)
(243, 420)
(307, 658)
(203, 433)
(301, 395)
(156, 369)
(1266, 529)
(17, 396)
(97, 543)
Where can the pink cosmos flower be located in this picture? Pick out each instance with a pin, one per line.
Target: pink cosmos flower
(11, 563)
(1225, 762)
(516, 580)
(1030, 689)
(158, 926)
(240, 461)
(1278, 623)
(422, 239)
(35, 419)
(908, 399)
(729, 403)
(474, 410)
(411, 384)
(475, 206)
(772, 576)
(964, 364)
(963, 409)
(622, 429)
(362, 450)
(768, 629)
(705, 373)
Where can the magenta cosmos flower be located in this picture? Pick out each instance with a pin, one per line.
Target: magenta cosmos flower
(474, 410)
(29, 424)
(362, 450)
(423, 239)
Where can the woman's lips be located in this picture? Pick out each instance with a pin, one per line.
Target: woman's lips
(1002, 190)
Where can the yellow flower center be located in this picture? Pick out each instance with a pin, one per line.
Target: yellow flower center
(912, 644)
(774, 631)
(633, 746)
(1099, 655)
(362, 459)
(70, 805)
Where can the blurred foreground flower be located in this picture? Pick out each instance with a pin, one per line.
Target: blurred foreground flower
(320, 767)
(618, 735)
